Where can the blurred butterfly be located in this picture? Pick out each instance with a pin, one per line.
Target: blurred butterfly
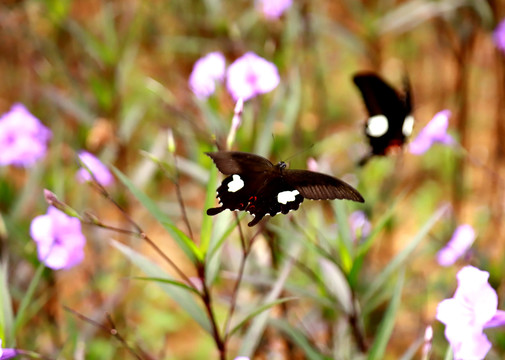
(261, 188)
(391, 121)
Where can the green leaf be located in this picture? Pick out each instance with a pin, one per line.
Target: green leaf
(344, 231)
(448, 353)
(184, 242)
(168, 281)
(253, 336)
(27, 298)
(210, 198)
(336, 283)
(179, 295)
(6, 312)
(299, 339)
(364, 247)
(387, 324)
(257, 311)
(403, 256)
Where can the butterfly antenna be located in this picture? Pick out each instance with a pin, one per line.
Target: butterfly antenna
(299, 152)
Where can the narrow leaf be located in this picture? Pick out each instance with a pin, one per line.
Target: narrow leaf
(387, 324)
(344, 231)
(180, 296)
(168, 281)
(154, 210)
(257, 311)
(206, 231)
(6, 312)
(300, 339)
(403, 256)
(337, 285)
(27, 298)
(251, 339)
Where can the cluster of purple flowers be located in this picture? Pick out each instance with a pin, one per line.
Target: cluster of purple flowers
(247, 77)
(23, 142)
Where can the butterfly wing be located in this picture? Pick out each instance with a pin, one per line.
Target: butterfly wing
(317, 186)
(276, 196)
(237, 162)
(390, 121)
(259, 195)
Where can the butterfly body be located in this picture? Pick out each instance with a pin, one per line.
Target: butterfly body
(390, 120)
(261, 188)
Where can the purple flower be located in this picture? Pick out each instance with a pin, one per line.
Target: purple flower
(273, 9)
(499, 36)
(60, 242)
(434, 132)
(462, 238)
(241, 358)
(23, 138)
(472, 309)
(7, 353)
(206, 71)
(360, 226)
(99, 170)
(251, 75)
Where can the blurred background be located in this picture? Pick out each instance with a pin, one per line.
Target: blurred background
(111, 77)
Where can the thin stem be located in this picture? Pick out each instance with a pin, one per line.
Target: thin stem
(114, 332)
(138, 231)
(233, 303)
(357, 331)
(246, 250)
(111, 330)
(207, 301)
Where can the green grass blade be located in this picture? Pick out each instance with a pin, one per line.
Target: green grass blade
(6, 311)
(25, 302)
(387, 324)
(253, 336)
(345, 244)
(210, 198)
(336, 284)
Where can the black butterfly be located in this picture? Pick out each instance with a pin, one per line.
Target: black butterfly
(391, 120)
(261, 188)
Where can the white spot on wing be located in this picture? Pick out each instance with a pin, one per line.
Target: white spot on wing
(286, 196)
(377, 125)
(408, 125)
(236, 184)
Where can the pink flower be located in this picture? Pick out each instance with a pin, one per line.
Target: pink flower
(101, 173)
(251, 75)
(434, 132)
(206, 71)
(23, 138)
(499, 36)
(60, 242)
(273, 9)
(461, 240)
(472, 308)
